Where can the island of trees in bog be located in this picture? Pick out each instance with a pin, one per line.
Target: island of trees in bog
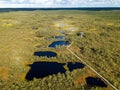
(34, 54)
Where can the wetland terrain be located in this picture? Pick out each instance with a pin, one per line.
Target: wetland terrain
(34, 55)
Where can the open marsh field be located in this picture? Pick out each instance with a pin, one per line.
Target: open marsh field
(34, 55)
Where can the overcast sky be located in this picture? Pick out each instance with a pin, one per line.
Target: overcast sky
(58, 3)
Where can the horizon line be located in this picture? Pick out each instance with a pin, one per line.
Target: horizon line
(57, 7)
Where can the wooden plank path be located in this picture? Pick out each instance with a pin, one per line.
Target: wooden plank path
(90, 67)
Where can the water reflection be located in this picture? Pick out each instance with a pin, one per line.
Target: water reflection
(60, 37)
(75, 65)
(43, 69)
(59, 43)
(48, 54)
(94, 81)
(56, 37)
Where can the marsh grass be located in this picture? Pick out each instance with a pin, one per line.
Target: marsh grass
(99, 47)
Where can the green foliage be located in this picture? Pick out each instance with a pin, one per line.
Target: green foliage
(21, 32)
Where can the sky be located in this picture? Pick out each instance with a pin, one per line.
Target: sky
(58, 3)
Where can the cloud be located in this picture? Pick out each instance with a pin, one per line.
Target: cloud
(59, 0)
(14, 1)
(59, 3)
(41, 1)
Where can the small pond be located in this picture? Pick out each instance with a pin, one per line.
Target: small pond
(59, 43)
(56, 37)
(76, 65)
(43, 69)
(95, 81)
(48, 54)
(59, 37)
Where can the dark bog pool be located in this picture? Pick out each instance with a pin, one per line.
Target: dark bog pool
(59, 43)
(45, 53)
(59, 37)
(56, 37)
(95, 81)
(43, 69)
(76, 65)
